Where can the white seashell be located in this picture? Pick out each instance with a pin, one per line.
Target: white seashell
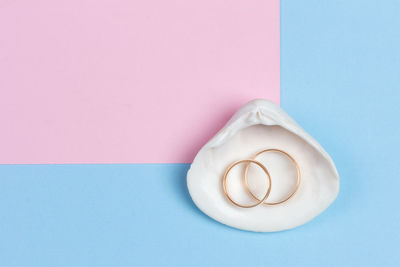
(258, 125)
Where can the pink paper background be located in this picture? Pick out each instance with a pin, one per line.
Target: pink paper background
(129, 81)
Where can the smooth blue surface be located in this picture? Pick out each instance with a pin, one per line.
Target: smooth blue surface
(340, 79)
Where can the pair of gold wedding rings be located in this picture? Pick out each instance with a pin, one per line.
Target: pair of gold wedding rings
(253, 160)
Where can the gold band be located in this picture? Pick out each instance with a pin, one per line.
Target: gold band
(246, 185)
(249, 161)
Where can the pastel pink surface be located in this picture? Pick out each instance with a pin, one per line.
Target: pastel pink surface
(129, 81)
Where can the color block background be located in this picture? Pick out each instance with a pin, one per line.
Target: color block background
(124, 81)
(340, 63)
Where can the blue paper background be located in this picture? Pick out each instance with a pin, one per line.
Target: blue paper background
(340, 79)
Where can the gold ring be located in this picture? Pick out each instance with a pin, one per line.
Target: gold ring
(246, 185)
(226, 175)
